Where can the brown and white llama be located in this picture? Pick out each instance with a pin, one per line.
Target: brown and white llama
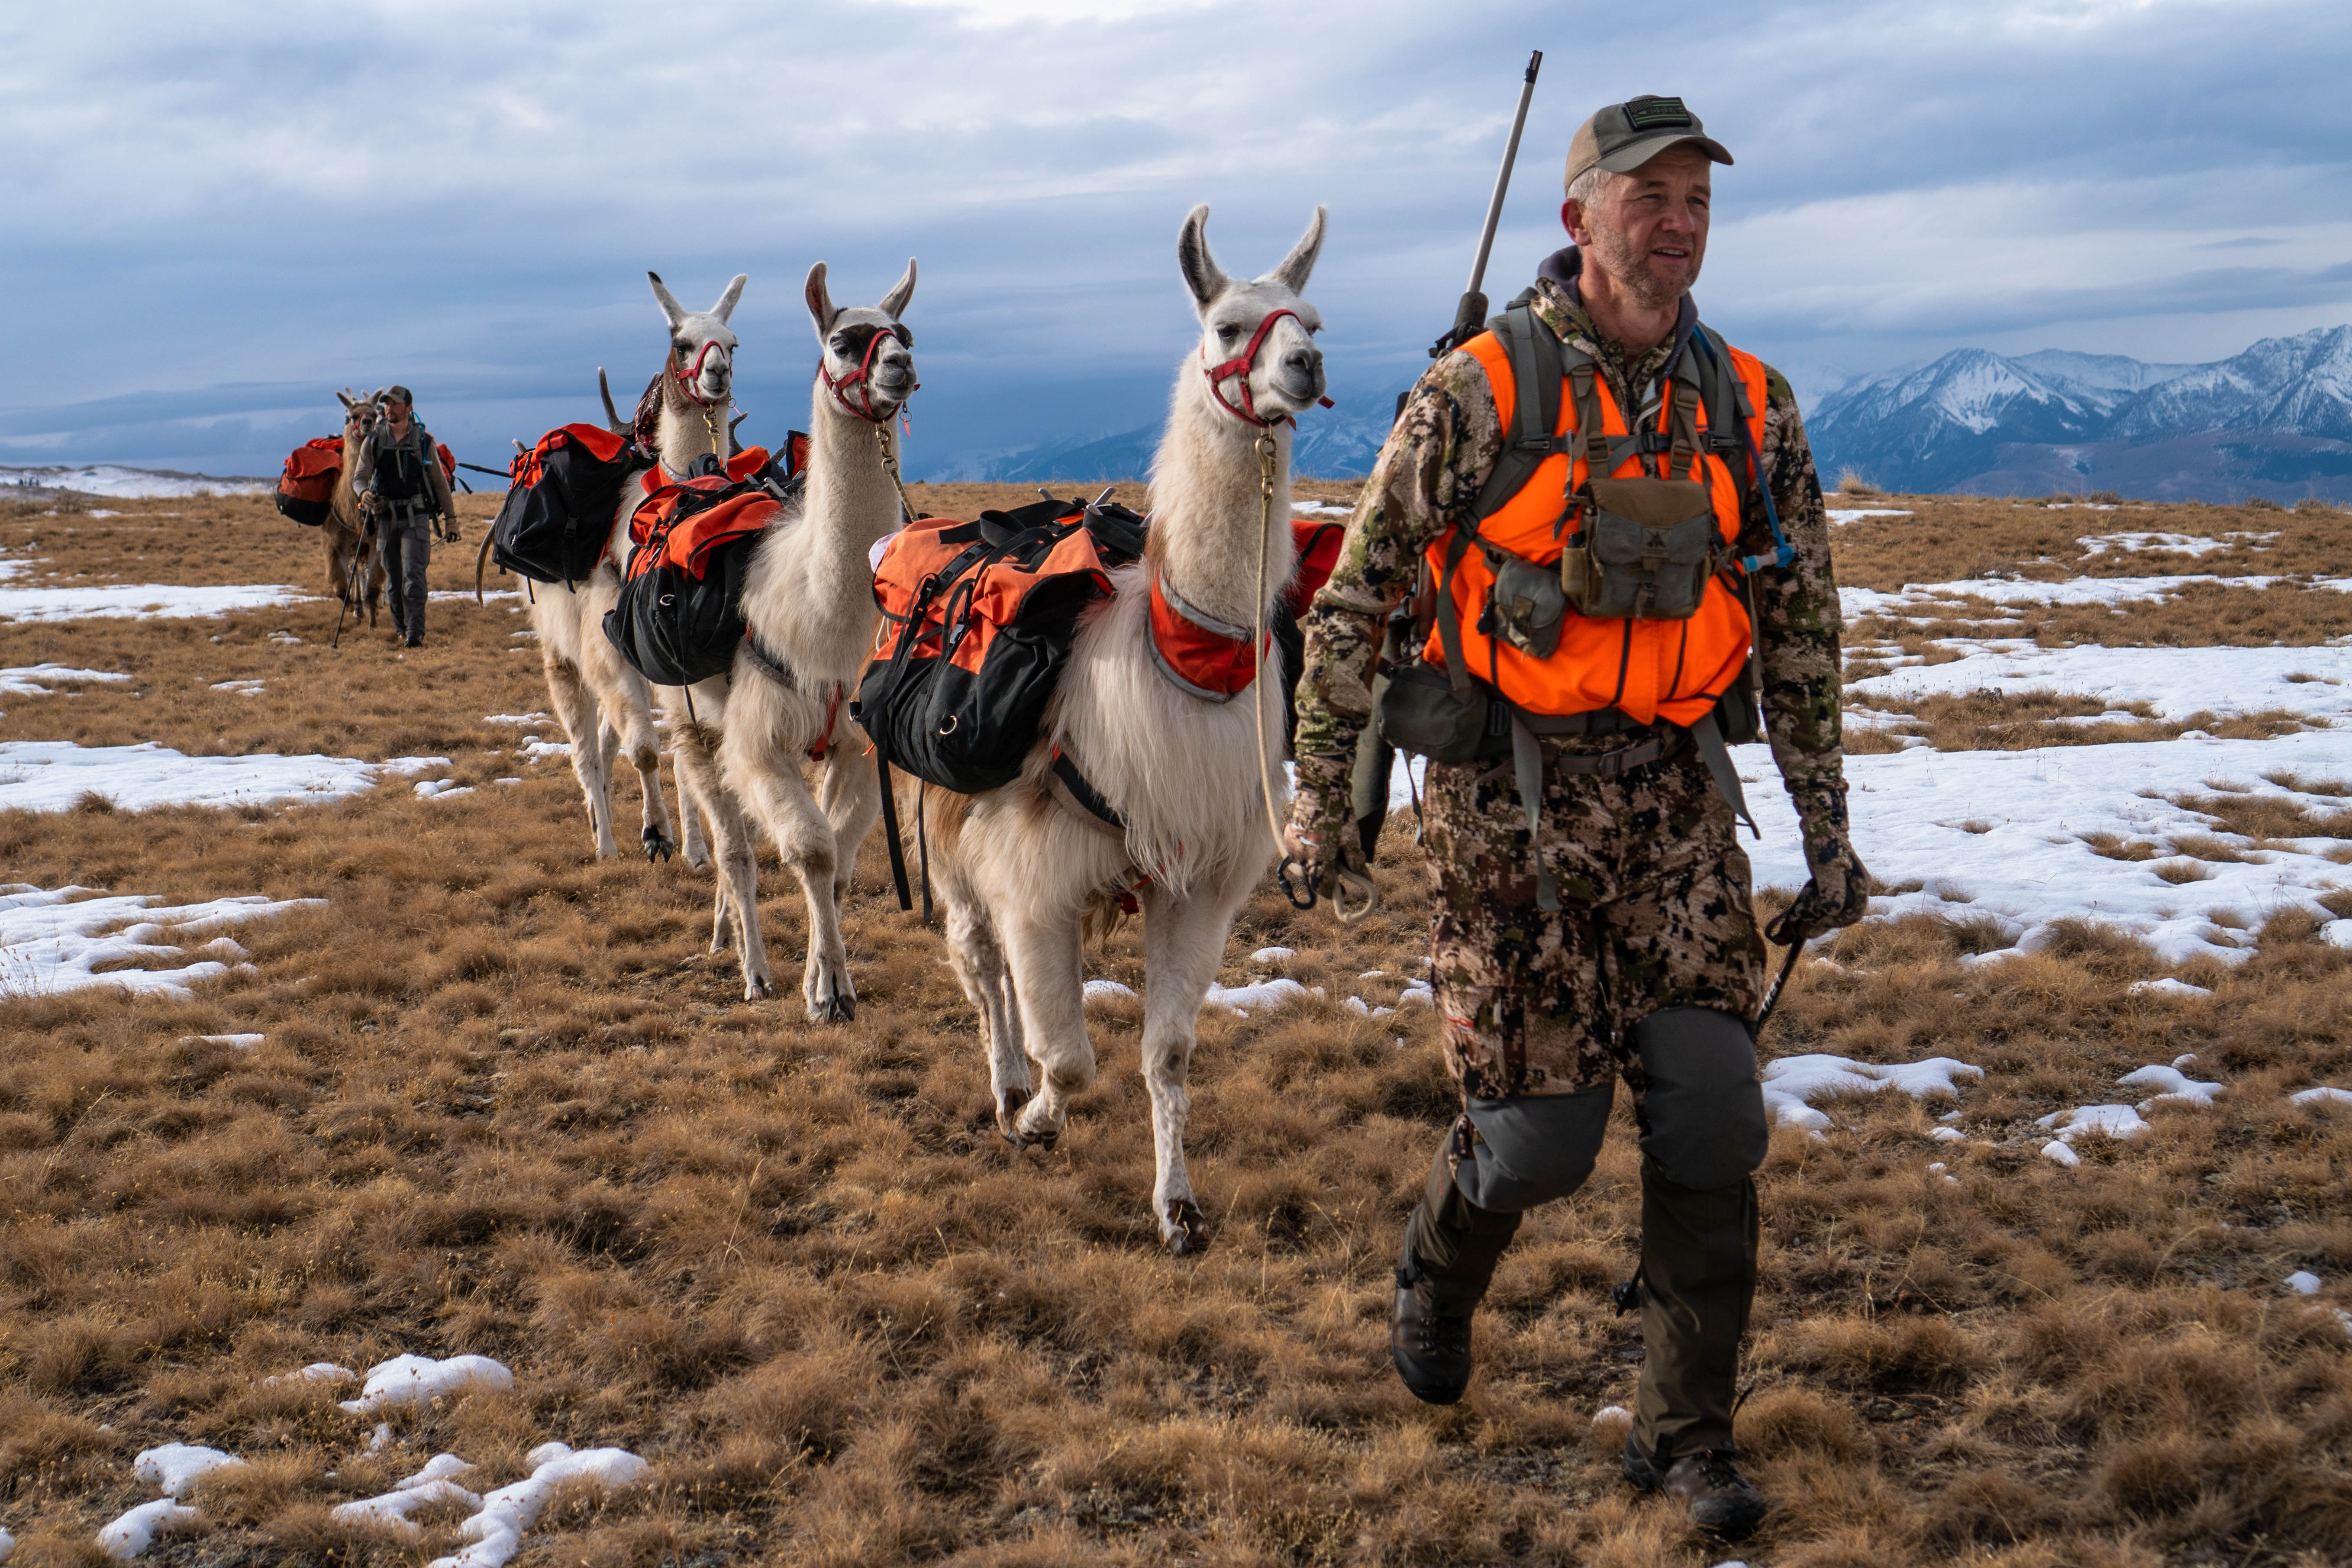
(345, 529)
(1023, 867)
(808, 605)
(605, 706)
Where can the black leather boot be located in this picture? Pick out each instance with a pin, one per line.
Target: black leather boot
(1429, 1335)
(1719, 1500)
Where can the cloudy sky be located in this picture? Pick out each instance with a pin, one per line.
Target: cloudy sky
(218, 212)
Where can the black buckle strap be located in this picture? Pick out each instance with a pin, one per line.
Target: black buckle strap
(1083, 793)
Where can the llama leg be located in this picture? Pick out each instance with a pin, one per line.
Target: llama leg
(692, 842)
(735, 903)
(1182, 940)
(978, 960)
(850, 794)
(767, 781)
(576, 710)
(627, 703)
(1042, 954)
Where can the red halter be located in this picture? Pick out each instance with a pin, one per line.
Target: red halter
(864, 384)
(1240, 366)
(688, 375)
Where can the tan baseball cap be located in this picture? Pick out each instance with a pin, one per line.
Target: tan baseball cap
(1625, 136)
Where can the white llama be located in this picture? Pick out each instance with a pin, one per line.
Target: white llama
(1024, 867)
(808, 605)
(605, 706)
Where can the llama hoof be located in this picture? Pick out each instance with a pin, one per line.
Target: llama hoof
(839, 1008)
(757, 990)
(1185, 1229)
(1008, 1115)
(658, 845)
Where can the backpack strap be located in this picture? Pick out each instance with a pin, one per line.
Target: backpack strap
(1783, 552)
(1536, 358)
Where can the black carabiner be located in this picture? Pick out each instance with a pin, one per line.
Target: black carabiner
(1308, 882)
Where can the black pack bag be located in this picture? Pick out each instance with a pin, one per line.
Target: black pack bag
(978, 619)
(675, 628)
(679, 617)
(558, 515)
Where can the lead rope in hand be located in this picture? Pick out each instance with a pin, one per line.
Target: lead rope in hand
(1350, 883)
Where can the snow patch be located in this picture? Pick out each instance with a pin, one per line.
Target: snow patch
(51, 943)
(40, 680)
(2176, 682)
(52, 775)
(508, 1513)
(136, 1531)
(2001, 834)
(410, 1380)
(442, 789)
(2323, 1095)
(1273, 955)
(2114, 1120)
(2166, 987)
(175, 1467)
(1107, 990)
(2303, 1282)
(2174, 1086)
(1792, 1083)
(240, 1042)
(1264, 993)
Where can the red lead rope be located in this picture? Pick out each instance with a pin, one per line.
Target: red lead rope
(1240, 366)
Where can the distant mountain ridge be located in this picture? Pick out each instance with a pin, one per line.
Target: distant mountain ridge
(1338, 443)
(2275, 420)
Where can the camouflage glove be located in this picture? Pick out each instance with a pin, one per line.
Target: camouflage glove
(1320, 839)
(1839, 891)
(1318, 828)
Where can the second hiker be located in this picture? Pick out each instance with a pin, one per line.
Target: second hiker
(403, 489)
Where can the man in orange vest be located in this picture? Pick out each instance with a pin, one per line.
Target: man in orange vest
(1584, 511)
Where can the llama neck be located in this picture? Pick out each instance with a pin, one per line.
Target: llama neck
(1208, 507)
(822, 607)
(687, 430)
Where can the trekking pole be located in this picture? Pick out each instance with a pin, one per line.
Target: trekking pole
(353, 586)
(1470, 315)
(1786, 932)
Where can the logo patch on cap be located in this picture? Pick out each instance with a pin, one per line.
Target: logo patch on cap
(1652, 114)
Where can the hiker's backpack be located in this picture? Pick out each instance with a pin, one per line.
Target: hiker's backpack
(977, 622)
(306, 490)
(679, 617)
(558, 515)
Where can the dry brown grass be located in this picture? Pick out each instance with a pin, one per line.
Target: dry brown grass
(1995, 720)
(505, 1105)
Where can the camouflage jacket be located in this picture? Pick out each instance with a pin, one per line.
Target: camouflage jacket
(1431, 470)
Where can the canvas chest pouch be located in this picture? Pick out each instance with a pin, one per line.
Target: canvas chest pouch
(1646, 551)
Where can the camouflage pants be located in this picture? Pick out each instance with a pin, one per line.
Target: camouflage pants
(1655, 914)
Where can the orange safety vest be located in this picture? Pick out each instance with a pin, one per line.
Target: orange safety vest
(1648, 669)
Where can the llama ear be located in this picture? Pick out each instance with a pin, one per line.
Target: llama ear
(1202, 275)
(1292, 272)
(346, 398)
(668, 302)
(820, 302)
(894, 303)
(726, 306)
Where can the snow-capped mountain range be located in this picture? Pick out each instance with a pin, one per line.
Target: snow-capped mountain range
(2275, 420)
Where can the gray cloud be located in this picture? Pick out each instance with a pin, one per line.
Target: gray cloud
(467, 197)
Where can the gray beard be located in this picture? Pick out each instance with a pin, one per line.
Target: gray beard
(1627, 268)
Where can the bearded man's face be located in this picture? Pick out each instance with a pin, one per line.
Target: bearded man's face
(1648, 229)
